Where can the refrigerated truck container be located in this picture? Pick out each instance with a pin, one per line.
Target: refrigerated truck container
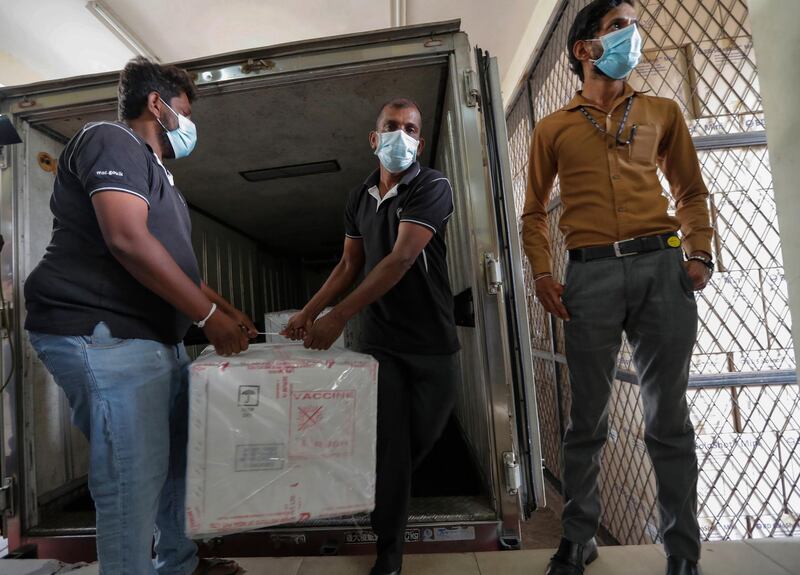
(266, 241)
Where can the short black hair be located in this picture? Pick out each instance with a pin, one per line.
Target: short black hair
(398, 104)
(141, 76)
(586, 26)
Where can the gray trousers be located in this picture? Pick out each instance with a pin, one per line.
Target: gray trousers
(650, 298)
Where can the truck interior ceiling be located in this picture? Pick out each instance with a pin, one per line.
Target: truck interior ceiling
(267, 186)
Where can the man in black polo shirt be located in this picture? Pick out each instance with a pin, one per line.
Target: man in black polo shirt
(108, 307)
(395, 225)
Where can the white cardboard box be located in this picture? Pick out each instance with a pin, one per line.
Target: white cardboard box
(280, 434)
(275, 322)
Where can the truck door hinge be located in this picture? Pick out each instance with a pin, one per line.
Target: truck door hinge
(7, 497)
(513, 472)
(471, 93)
(494, 273)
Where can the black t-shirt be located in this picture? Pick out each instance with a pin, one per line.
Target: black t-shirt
(416, 315)
(79, 283)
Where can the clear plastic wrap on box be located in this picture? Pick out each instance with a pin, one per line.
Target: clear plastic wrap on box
(275, 322)
(279, 434)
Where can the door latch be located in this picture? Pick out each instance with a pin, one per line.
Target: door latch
(7, 499)
(513, 472)
(494, 273)
(471, 93)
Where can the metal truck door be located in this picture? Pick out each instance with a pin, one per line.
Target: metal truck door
(507, 269)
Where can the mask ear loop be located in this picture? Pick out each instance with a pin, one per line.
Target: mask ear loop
(177, 116)
(593, 61)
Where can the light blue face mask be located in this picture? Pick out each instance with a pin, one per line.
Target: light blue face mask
(183, 138)
(396, 150)
(621, 52)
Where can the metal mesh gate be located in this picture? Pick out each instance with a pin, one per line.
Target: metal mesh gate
(743, 394)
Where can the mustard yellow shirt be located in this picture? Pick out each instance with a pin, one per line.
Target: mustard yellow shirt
(611, 192)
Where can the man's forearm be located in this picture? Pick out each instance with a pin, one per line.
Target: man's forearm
(223, 304)
(146, 259)
(342, 277)
(379, 281)
(536, 243)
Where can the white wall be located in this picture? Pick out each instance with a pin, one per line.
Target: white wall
(522, 57)
(48, 39)
(12, 71)
(776, 37)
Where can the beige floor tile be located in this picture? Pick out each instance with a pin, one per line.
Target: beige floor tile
(357, 565)
(270, 565)
(645, 560)
(635, 560)
(92, 569)
(441, 564)
(514, 562)
(730, 558)
(785, 552)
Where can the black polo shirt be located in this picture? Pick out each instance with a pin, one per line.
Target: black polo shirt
(416, 315)
(79, 283)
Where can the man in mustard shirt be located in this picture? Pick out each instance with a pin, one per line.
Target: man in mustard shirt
(626, 273)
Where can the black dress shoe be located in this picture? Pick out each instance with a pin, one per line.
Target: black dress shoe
(571, 558)
(678, 566)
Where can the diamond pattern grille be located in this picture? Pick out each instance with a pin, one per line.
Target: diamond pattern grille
(700, 54)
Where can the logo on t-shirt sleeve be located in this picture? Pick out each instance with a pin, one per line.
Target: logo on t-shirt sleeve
(109, 173)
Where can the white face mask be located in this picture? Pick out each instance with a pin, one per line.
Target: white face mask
(184, 137)
(396, 150)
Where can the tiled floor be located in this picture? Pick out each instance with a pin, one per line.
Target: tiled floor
(768, 557)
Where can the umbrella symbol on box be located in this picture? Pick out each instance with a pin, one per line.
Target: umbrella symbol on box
(248, 395)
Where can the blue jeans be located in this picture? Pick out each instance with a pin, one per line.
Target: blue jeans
(129, 397)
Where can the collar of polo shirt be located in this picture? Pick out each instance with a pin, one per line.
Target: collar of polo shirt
(373, 180)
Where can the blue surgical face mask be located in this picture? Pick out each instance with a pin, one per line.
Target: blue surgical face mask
(184, 137)
(621, 52)
(396, 150)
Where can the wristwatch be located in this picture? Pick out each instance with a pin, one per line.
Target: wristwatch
(705, 260)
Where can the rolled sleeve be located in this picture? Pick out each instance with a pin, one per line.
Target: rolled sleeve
(108, 157)
(431, 206)
(542, 170)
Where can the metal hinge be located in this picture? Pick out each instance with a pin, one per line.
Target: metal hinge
(513, 472)
(471, 93)
(494, 273)
(7, 497)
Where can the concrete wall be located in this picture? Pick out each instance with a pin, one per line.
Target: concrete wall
(776, 37)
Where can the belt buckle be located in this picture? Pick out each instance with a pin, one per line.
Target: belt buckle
(617, 251)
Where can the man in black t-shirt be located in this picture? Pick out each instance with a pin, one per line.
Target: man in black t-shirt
(395, 225)
(108, 307)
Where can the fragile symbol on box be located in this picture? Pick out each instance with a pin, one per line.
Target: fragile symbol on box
(249, 395)
(322, 423)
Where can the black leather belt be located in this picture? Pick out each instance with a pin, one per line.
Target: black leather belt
(624, 248)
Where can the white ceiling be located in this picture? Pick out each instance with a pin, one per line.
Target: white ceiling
(49, 39)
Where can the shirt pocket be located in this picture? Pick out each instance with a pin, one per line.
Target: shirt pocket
(645, 144)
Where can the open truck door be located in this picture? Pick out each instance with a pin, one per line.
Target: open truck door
(9, 138)
(504, 273)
